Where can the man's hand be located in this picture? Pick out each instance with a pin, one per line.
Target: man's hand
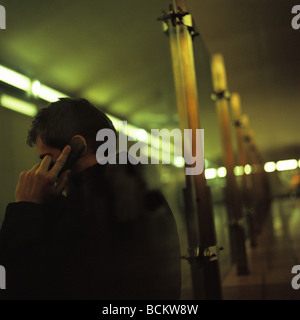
(40, 184)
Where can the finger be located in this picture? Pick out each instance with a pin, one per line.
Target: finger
(62, 183)
(44, 165)
(34, 168)
(60, 162)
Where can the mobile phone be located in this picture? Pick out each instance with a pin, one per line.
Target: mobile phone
(77, 149)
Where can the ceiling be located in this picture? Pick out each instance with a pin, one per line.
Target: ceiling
(115, 54)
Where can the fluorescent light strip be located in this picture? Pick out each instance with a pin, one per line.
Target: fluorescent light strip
(22, 82)
(15, 79)
(49, 94)
(35, 88)
(144, 136)
(115, 121)
(18, 105)
(286, 165)
(141, 135)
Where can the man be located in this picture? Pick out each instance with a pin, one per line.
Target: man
(95, 232)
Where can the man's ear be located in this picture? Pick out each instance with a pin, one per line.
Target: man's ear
(83, 141)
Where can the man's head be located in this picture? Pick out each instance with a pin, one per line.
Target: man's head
(54, 126)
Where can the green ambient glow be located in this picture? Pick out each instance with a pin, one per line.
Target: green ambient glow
(39, 90)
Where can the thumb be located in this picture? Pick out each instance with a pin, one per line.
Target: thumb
(62, 182)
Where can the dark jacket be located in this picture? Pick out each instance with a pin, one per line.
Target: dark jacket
(110, 238)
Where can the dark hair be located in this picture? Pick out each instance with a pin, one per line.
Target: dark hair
(61, 120)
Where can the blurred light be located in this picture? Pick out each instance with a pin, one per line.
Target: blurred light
(115, 121)
(134, 132)
(270, 166)
(286, 165)
(247, 169)
(210, 173)
(36, 87)
(299, 163)
(179, 162)
(222, 172)
(15, 79)
(18, 105)
(49, 94)
(239, 170)
(141, 135)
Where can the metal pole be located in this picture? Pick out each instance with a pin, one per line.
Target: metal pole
(260, 181)
(192, 231)
(247, 196)
(232, 196)
(207, 232)
(203, 247)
